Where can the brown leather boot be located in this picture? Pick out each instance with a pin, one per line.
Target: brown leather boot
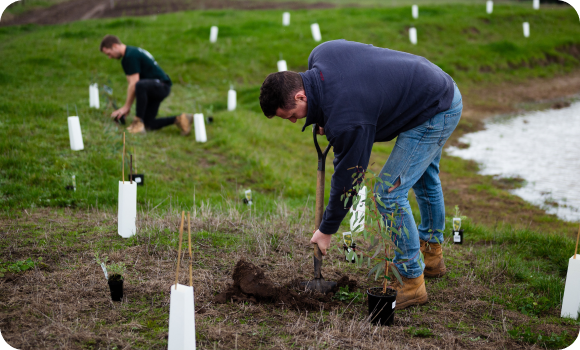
(184, 122)
(434, 263)
(137, 126)
(412, 292)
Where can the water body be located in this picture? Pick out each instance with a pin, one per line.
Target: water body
(543, 148)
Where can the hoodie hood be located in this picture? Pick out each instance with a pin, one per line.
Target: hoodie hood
(313, 93)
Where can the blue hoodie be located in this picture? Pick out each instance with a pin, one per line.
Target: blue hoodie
(363, 94)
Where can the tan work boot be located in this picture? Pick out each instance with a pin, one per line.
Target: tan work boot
(434, 263)
(183, 122)
(137, 126)
(412, 292)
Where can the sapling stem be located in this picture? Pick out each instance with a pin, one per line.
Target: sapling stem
(123, 171)
(190, 253)
(179, 249)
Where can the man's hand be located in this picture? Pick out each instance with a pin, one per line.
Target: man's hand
(322, 240)
(120, 112)
(320, 130)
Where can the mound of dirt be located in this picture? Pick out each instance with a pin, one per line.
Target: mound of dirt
(252, 285)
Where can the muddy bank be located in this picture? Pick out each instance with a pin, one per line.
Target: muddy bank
(252, 285)
(77, 10)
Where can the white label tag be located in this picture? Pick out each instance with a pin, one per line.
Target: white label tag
(456, 237)
(105, 271)
(138, 180)
(394, 304)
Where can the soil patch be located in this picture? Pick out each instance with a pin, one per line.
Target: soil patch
(76, 10)
(252, 285)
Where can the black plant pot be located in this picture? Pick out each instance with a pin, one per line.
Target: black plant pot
(139, 179)
(458, 237)
(382, 307)
(116, 286)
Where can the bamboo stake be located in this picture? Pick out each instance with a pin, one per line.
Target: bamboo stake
(577, 238)
(131, 168)
(179, 249)
(135, 159)
(190, 253)
(123, 158)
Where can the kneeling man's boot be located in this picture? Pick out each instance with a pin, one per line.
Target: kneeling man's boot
(434, 263)
(137, 126)
(412, 292)
(183, 122)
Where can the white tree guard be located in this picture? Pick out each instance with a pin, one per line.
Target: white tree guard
(526, 27)
(415, 11)
(282, 67)
(315, 29)
(127, 211)
(213, 34)
(94, 96)
(571, 301)
(489, 7)
(199, 125)
(413, 35)
(232, 96)
(181, 318)
(286, 19)
(75, 134)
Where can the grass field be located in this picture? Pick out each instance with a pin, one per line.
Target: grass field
(48, 68)
(504, 288)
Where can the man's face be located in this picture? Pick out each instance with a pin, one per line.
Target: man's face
(113, 52)
(298, 112)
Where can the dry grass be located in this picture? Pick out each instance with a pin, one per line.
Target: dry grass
(64, 301)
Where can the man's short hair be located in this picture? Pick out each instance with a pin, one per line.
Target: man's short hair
(278, 91)
(108, 41)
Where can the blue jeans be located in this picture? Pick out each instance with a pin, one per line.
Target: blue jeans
(414, 162)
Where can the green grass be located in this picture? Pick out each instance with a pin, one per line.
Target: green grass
(46, 69)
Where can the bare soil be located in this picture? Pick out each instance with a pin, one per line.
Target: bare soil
(78, 10)
(251, 285)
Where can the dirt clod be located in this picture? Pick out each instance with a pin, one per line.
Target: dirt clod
(252, 285)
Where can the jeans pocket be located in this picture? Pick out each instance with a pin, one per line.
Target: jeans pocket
(451, 121)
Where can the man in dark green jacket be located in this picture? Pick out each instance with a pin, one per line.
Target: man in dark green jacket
(148, 84)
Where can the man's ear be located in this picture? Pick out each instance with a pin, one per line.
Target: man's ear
(300, 96)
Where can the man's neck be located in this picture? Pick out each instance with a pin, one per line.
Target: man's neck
(123, 49)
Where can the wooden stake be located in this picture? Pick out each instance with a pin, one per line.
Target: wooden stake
(577, 238)
(179, 249)
(190, 253)
(123, 158)
(135, 159)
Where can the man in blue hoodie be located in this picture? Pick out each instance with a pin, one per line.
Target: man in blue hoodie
(359, 94)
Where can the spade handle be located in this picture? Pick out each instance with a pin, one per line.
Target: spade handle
(319, 209)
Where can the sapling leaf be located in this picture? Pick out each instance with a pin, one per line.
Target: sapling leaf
(374, 268)
(396, 273)
(381, 203)
(379, 271)
(406, 231)
(377, 251)
(388, 184)
(353, 174)
(441, 231)
(437, 239)
(398, 250)
(405, 267)
(395, 230)
(386, 174)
